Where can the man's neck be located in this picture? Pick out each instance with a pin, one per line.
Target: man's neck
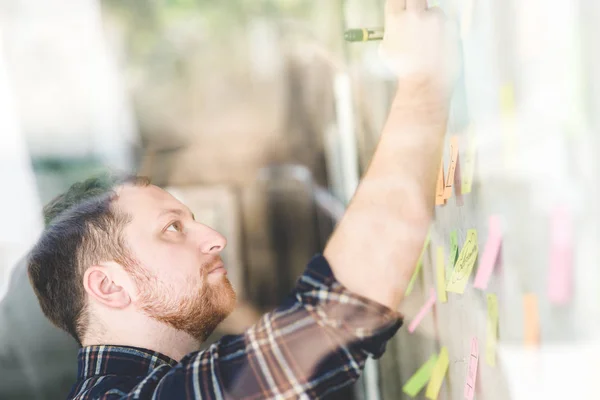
(151, 335)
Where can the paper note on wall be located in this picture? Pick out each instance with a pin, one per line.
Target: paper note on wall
(440, 187)
(437, 375)
(560, 278)
(415, 274)
(464, 265)
(453, 254)
(492, 329)
(490, 254)
(422, 312)
(452, 167)
(531, 320)
(507, 110)
(418, 381)
(441, 275)
(472, 371)
(468, 167)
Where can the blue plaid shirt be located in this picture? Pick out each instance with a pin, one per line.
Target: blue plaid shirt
(315, 343)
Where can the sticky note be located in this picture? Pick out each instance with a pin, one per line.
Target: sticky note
(420, 378)
(440, 186)
(507, 109)
(490, 254)
(422, 312)
(415, 274)
(441, 275)
(472, 371)
(560, 278)
(492, 329)
(464, 265)
(531, 320)
(437, 375)
(451, 167)
(468, 167)
(453, 254)
(458, 183)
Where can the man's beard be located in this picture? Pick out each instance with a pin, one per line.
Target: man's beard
(195, 312)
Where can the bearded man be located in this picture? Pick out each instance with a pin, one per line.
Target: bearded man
(126, 269)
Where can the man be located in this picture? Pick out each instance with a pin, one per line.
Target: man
(128, 272)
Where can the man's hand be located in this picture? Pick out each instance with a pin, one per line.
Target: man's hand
(374, 250)
(420, 43)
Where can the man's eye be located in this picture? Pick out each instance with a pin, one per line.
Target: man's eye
(174, 227)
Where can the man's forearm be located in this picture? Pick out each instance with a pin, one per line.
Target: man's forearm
(376, 245)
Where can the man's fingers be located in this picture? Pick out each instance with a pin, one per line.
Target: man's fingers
(394, 6)
(416, 4)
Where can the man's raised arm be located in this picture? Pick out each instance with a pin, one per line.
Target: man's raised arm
(375, 247)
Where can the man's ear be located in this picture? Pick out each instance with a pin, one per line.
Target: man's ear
(104, 283)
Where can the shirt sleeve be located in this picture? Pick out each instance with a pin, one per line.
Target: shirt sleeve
(316, 342)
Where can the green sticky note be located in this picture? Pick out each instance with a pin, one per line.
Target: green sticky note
(415, 274)
(437, 375)
(464, 265)
(453, 254)
(418, 381)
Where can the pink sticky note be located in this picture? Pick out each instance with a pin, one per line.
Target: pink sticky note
(561, 257)
(490, 254)
(422, 312)
(472, 371)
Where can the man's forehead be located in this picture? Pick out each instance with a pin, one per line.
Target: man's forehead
(148, 199)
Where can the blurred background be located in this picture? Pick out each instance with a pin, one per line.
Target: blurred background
(261, 118)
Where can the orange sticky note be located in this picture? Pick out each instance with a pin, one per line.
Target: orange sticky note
(531, 319)
(451, 167)
(440, 187)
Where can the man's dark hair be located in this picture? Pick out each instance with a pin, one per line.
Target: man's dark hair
(83, 227)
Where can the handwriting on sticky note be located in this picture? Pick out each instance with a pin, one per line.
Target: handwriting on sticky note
(437, 375)
(417, 270)
(439, 188)
(441, 275)
(490, 254)
(422, 312)
(472, 371)
(468, 170)
(451, 167)
(418, 381)
(464, 265)
(531, 319)
(492, 329)
(560, 278)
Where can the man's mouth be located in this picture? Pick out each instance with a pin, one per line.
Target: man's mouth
(218, 268)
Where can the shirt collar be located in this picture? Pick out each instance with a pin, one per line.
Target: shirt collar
(119, 360)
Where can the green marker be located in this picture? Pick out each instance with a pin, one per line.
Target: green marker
(363, 34)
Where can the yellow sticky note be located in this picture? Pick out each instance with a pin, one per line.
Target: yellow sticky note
(441, 275)
(492, 329)
(440, 187)
(437, 375)
(418, 381)
(507, 110)
(468, 167)
(415, 274)
(451, 167)
(464, 265)
(532, 319)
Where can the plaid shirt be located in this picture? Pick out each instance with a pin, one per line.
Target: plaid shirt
(315, 343)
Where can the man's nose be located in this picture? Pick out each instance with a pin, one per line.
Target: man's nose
(211, 241)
